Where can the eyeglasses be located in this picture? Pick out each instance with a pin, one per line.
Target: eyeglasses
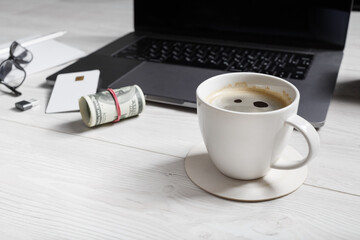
(12, 74)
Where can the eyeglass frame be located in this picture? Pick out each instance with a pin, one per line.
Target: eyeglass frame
(16, 61)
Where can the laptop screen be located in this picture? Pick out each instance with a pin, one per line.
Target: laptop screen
(307, 23)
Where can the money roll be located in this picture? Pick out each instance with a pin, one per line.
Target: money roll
(100, 108)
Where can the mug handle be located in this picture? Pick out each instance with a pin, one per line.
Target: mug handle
(312, 139)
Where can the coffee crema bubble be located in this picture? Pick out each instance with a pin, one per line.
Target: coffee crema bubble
(241, 98)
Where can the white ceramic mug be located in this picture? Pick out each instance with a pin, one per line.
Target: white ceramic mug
(246, 145)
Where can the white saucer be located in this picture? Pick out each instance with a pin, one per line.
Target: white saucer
(277, 183)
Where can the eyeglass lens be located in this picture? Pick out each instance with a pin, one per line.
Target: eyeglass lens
(21, 54)
(11, 73)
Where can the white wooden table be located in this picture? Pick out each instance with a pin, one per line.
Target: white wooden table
(62, 180)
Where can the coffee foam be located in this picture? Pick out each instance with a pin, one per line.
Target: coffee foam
(242, 98)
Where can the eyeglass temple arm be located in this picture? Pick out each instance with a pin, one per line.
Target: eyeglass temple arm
(16, 92)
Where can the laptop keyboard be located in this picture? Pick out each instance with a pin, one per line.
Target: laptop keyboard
(281, 64)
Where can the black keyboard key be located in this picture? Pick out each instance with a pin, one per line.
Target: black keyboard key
(299, 75)
(283, 74)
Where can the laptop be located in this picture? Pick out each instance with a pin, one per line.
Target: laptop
(178, 44)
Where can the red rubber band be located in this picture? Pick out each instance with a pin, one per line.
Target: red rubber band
(113, 94)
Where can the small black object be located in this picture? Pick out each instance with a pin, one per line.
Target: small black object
(26, 105)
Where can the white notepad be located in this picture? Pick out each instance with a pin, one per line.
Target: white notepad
(69, 88)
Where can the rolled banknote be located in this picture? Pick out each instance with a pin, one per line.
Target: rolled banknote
(100, 108)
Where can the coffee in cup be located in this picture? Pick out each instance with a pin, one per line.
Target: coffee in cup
(242, 98)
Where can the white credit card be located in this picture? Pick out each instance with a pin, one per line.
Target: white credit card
(69, 88)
